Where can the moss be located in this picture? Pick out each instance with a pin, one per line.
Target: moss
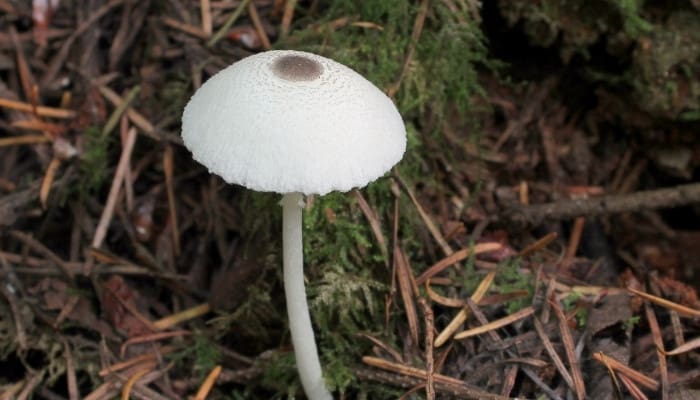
(200, 356)
(576, 26)
(570, 303)
(511, 279)
(666, 67)
(94, 162)
(280, 372)
(656, 47)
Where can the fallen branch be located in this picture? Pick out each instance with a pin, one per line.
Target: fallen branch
(638, 201)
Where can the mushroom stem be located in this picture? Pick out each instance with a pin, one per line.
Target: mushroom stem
(303, 340)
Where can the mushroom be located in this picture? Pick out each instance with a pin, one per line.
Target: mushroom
(294, 123)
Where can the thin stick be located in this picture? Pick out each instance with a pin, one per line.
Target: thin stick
(128, 178)
(259, 28)
(106, 217)
(170, 189)
(287, 17)
(205, 7)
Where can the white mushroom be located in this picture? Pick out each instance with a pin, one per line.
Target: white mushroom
(295, 123)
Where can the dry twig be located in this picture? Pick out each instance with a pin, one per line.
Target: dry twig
(609, 204)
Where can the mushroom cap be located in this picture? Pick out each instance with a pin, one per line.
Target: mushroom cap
(290, 121)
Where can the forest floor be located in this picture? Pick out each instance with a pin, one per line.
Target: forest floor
(541, 239)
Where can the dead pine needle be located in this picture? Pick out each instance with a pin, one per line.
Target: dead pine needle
(418, 24)
(208, 383)
(72, 380)
(680, 309)
(406, 370)
(183, 27)
(539, 244)
(168, 167)
(48, 181)
(569, 347)
(456, 257)
(374, 223)
(151, 338)
(442, 300)
(623, 369)
(686, 347)
(427, 220)
(549, 348)
(429, 319)
(143, 358)
(496, 324)
(408, 291)
(575, 237)
(205, 9)
(182, 316)
(634, 390)
(126, 389)
(25, 139)
(41, 111)
(660, 353)
(461, 316)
